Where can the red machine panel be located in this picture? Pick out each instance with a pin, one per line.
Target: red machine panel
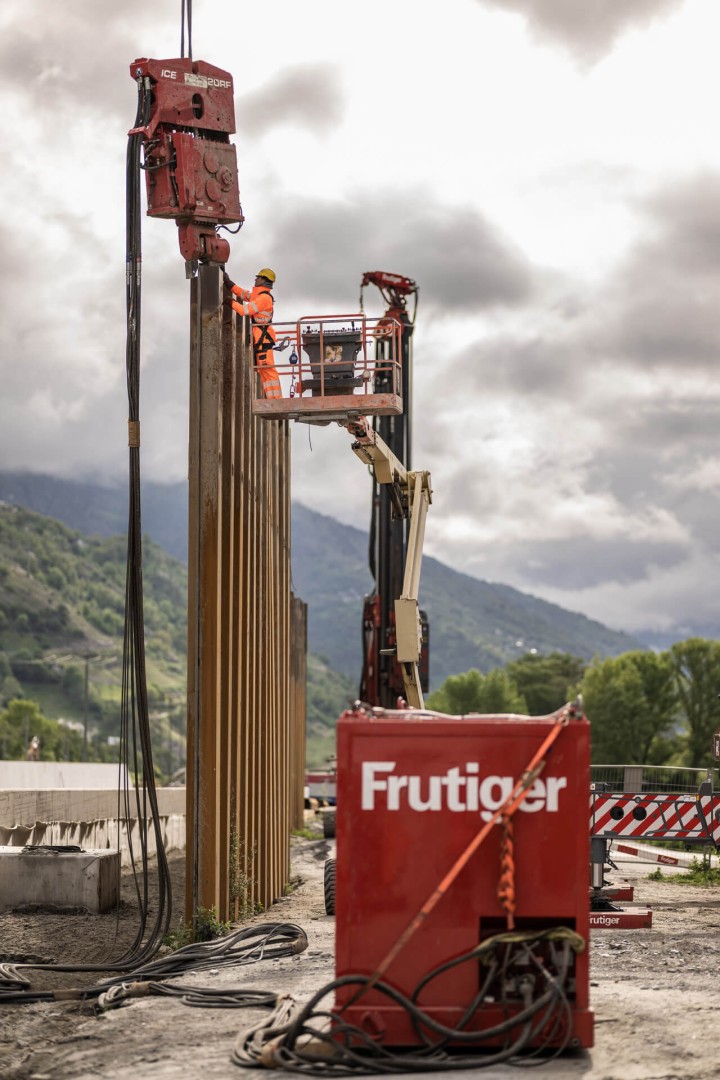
(414, 789)
(202, 182)
(188, 94)
(190, 164)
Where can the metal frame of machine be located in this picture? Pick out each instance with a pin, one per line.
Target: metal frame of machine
(421, 817)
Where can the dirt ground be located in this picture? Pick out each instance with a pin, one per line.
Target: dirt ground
(655, 993)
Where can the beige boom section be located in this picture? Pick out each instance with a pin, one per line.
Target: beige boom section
(246, 632)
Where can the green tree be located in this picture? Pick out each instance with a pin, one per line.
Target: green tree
(10, 688)
(631, 702)
(546, 682)
(21, 720)
(472, 692)
(696, 665)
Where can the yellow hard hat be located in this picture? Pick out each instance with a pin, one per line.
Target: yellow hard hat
(266, 273)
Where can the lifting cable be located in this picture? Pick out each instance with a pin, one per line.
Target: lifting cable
(185, 19)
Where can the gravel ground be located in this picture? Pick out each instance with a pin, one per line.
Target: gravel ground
(653, 992)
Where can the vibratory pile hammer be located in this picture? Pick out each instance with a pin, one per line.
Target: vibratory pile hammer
(190, 164)
(461, 879)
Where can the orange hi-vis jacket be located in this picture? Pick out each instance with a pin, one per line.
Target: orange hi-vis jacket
(258, 304)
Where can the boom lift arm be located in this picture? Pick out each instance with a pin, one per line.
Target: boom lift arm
(410, 495)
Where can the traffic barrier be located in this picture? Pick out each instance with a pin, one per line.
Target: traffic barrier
(645, 853)
(662, 817)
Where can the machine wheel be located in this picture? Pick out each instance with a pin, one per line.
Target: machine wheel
(330, 886)
(329, 824)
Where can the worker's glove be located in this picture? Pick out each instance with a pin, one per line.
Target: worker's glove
(228, 281)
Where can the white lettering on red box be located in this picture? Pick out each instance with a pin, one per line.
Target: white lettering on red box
(456, 790)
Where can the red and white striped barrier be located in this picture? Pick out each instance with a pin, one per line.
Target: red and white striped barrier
(647, 854)
(656, 816)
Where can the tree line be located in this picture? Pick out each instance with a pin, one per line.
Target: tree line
(651, 708)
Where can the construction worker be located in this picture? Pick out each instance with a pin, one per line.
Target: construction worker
(258, 304)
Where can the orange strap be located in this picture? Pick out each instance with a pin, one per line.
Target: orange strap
(506, 884)
(508, 808)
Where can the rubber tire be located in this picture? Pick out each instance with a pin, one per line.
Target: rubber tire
(328, 820)
(330, 886)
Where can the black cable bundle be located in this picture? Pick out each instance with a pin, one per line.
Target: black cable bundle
(314, 1041)
(135, 744)
(265, 941)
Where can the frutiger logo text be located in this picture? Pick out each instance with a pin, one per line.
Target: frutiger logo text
(458, 790)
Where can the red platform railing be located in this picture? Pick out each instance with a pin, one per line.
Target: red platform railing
(335, 367)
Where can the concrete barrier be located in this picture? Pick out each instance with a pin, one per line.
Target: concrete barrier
(90, 819)
(44, 775)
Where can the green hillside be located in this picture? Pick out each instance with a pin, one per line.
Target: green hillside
(328, 695)
(62, 599)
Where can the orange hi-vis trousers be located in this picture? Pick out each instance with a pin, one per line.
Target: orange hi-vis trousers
(264, 359)
(268, 376)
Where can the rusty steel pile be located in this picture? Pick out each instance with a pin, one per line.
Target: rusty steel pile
(246, 632)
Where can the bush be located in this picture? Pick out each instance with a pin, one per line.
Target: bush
(56, 579)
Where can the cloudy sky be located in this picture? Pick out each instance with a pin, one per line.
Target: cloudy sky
(547, 170)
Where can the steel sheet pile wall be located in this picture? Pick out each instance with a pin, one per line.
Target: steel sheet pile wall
(246, 707)
(298, 689)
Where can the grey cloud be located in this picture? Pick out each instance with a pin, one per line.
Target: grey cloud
(70, 58)
(661, 327)
(645, 446)
(589, 28)
(463, 264)
(657, 312)
(585, 562)
(306, 95)
(687, 219)
(662, 303)
(627, 374)
(688, 423)
(530, 368)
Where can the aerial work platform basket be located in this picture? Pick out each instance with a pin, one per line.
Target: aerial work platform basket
(338, 367)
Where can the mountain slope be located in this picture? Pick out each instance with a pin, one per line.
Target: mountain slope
(473, 623)
(102, 510)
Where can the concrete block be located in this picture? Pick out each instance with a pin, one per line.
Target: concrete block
(84, 879)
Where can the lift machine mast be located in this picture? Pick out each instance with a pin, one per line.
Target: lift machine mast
(382, 681)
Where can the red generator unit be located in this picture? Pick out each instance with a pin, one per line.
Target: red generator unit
(491, 944)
